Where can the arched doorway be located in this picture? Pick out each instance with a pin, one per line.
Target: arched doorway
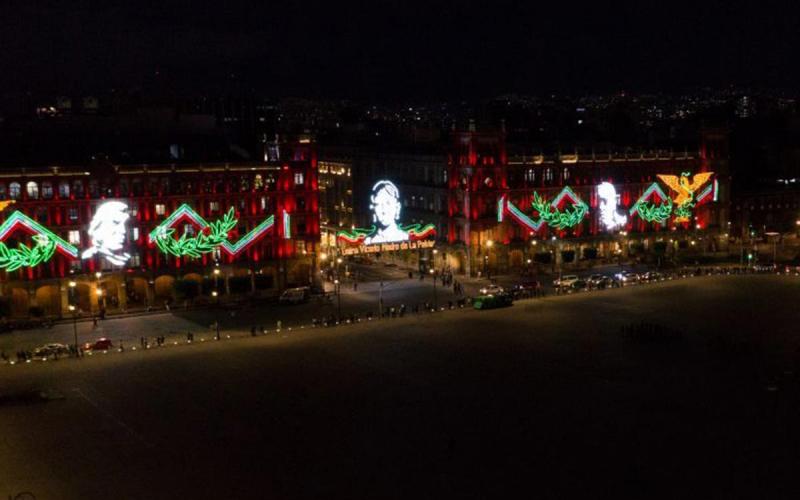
(515, 258)
(83, 298)
(164, 286)
(137, 292)
(19, 302)
(48, 297)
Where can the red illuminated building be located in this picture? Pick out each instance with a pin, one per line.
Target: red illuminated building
(65, 201)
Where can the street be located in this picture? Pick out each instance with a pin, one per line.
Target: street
(547, 397)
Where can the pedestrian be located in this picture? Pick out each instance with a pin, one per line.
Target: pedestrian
(141, 342)
(121, 347)
(355, 286)
(279, 325)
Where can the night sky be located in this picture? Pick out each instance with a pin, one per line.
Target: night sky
(395, 49)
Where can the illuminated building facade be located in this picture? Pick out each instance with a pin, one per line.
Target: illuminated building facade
(118, 237)
(493, 211)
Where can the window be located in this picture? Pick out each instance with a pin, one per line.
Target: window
(160, 209)
(188, 230)
(135, 261)
(14, 190)
(33, 190)
(94, 189)
(73, 214)
(214, 206)
(63, 189)
(123, 187)
(77, 188)
(74, 237)
(530, 175)
(566, 173)
(299, 180)
(134, 234)
(47, 190)
(263, 203)
(3, 192)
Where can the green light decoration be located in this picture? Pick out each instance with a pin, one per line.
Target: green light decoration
(684, 212)
(654, 212)
(195, 246)
(12, 259)
(556, 218)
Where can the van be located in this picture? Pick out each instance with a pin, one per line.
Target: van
(294, 295)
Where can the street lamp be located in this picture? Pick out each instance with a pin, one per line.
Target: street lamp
(338, 298)
(74, 325)
(435, 298)
(216, 282)
(99, 293)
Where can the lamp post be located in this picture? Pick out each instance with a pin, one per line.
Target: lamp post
(74, 325)
(215, 293)
(99, 292)
(435, 299)
(489, 245)
(338, 298)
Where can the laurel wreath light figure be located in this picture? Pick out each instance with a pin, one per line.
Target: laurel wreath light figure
(557, 218)
(12, 259)
(196, 246)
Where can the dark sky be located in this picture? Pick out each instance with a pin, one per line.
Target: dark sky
(386, 49)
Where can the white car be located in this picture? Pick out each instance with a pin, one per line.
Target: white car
(295, 295)
(48, 350)
(566, 281)
(491, 289)
(627, 277)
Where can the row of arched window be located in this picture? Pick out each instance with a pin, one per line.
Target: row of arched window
(137, 187)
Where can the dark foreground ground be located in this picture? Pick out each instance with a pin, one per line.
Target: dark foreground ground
(543, 400)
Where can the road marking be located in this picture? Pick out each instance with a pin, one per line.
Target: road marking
(113, 418)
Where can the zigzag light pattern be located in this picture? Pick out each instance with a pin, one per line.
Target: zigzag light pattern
(18, 218)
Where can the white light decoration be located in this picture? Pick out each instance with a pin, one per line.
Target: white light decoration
(107, 232)
(610, 217)
(385, 205)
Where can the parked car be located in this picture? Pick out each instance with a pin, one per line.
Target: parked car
(578, 285)
(566, 281)
(627, 277)
(48, 350)
(493, 301)
(102, 344)
(594, 280)
(652, 276)
(526, 289)
(295, 295)
(606, 282)
(491, 289)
